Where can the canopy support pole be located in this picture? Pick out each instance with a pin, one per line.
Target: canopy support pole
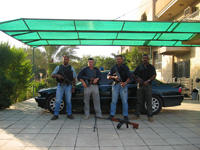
(151, 54)
(33, 73)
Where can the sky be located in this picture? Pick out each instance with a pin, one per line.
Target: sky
(69, 9)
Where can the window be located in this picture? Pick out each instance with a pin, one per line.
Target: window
(182, 69)
(157, 60)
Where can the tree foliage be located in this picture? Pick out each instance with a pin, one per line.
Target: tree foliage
(16, 68)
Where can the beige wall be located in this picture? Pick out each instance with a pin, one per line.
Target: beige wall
(195, 65)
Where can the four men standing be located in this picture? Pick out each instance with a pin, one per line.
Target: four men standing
(119, 73)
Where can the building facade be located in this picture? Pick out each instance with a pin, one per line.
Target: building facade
(171, 62)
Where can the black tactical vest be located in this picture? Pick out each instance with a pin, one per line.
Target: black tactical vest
(122, 72)
(145, 73)
(67, 71)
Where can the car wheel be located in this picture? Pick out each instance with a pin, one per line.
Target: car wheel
(156, 105)
(51, 104)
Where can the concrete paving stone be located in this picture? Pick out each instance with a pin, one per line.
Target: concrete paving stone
(106, 142)
(111, 148)
(24, 136)
(185, 147)
(124, 130)
(161, 147)
(6, 136)
(168, 135)
(35, 126)
(36, 148)
(155, 125)
(108, 131)
(52, 126)
(66, 131)
(155, 141)
(56, 122)
(64, 142)
(23, 122)
(198, 145)
(131, 136)
(12, 147)
(25, 131)
(106, 126)
(11, 131)
(45, 136)
(17, 126)
(173, 125)
(86, 131)
(87, 148)
(3, 142)
(66, 136)
(87, 140)
(176, 141)
(50, 130)
(194, 140)
(108, 136)
(89, 126)
(145, 129)
(132, 142)
(17, 143)
(161, 129)
(40, 143)
(43, 122)
(148, 135)
(61, 148)
(137, 148)
(190, 125)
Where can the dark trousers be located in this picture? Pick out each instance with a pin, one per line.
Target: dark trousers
(144, 94)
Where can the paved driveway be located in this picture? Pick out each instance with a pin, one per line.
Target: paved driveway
(26, 126)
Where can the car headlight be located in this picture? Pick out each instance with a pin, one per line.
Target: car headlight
(38, 95)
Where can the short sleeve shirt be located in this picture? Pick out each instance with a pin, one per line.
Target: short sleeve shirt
(57, 69)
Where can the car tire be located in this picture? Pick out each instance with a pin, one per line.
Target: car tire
(156, 105)
(51, 104)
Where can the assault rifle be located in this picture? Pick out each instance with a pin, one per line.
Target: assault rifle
(66, 79)
(88, 80)
(117, 74)
(139, 78)
(121, 122)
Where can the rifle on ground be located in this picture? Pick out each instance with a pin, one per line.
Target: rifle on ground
(88, 80)
(121, 122)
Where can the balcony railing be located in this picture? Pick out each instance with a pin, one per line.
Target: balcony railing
(194, 17)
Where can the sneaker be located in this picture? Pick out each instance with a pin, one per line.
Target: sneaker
(135, 117)
(151, 119)
(110, 117)
(126, 118)
(54, 117)
(86, 117)
(70, 117)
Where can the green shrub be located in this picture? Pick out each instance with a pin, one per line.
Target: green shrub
(39, 85)
(6, 90)
(51, 81)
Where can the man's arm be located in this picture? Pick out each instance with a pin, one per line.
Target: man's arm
(98, 77)
(80, 78)
(123, 84)
(55, 75)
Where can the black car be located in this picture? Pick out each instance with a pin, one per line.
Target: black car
(163, 95)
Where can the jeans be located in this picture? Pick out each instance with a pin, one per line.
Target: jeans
(144, 94)
(61, 89)
(116, 90)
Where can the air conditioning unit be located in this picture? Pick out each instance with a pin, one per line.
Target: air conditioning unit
(187, 11)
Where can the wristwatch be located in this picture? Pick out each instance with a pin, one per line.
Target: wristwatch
(149, 80)
(125, 82)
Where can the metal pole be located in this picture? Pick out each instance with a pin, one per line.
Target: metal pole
(150, 55)
(33, 73)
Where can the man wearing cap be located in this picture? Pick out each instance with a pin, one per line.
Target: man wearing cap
(94, 75)
(64, 86)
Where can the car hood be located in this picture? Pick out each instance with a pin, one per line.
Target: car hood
(46, 89)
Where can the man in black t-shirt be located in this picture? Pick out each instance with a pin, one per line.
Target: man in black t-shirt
(144, 74)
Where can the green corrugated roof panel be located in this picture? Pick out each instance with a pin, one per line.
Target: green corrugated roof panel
(38, 32)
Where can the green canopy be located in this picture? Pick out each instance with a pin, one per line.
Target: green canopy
(43, 32)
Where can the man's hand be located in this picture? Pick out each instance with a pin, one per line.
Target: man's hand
(123, 84)
(95, 81)
(73, 90)
(145, 83)
(60, 77)
(139, 81)
(116, 78)
(84, 85)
